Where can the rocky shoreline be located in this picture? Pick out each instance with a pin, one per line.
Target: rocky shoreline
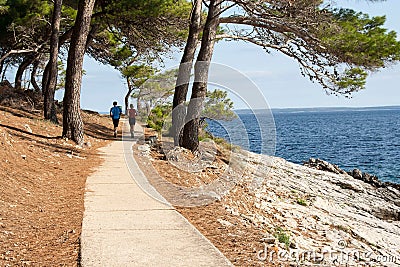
(329, 210)
(368, 178)
(290, 211)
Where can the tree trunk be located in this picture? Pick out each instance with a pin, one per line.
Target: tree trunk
(33, 75)
(62, 39)
(91, 35)
(51, 82)
(148, 110)
(182, 82)
(128, 94)
(3, 74)
(20, 72)
(72, 120)
(27, 84)
(199, 90)
(138, 104)
(45, 79)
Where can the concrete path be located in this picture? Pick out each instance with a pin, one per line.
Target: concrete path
(124, 226)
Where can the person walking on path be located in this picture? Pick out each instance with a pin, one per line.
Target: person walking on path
(115, 114)
(132, 119)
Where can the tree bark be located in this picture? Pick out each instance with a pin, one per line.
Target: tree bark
(72, 120)
(20, 72)
(1, 66)
(199, 90)
(51, 81)
(138, 104)
(148, 110)
(62, 39)
(128, 94)
(45, 79)
(182, 83)
(33, 75)
(3, 74)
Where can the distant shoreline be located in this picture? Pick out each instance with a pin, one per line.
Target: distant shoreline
(318, 109)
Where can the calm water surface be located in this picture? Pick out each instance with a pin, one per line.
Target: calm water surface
(367, 139)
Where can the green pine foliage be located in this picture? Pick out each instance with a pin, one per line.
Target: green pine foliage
(23, 14)
(352, 80)
(360, 40)
(360, 44)
(156, 90)
(159, 118)
(24, 24)
(3, 6)
(138, 74)
(218, 106)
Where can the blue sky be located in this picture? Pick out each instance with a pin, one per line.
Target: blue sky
(277, 76)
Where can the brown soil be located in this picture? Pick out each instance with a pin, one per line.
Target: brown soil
(42, 185)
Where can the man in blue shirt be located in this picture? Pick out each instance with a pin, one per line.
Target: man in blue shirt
(115, 114)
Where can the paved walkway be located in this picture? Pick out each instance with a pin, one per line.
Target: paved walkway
(124, 226)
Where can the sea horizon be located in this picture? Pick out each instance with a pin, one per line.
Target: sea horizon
(323, 108)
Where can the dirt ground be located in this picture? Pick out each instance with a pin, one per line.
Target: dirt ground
(42, 184)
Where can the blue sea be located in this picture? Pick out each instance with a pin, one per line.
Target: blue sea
(363, 138)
